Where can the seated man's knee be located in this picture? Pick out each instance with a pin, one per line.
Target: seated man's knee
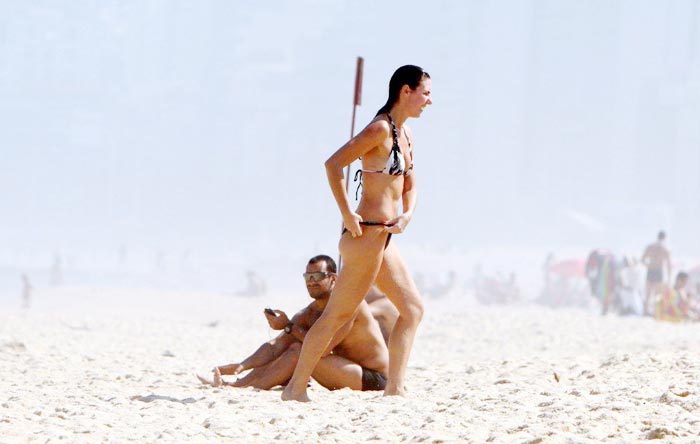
(292, 353)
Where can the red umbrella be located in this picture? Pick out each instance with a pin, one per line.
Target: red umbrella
(569, 268)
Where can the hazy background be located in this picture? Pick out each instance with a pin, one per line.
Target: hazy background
(189, 137)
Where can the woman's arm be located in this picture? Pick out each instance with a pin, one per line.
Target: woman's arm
(408, 198)
(374, 134)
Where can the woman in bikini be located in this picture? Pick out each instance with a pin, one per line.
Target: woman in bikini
(386, 149)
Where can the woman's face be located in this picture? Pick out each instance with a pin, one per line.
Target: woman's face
(419, 98)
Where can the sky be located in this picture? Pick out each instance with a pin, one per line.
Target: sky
(202, 127)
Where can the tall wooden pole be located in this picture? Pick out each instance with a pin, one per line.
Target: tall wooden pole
(357, 101)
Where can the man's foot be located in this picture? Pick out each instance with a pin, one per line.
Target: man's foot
(217, 378)
(289, 394)
(215, 382)
(204, 380)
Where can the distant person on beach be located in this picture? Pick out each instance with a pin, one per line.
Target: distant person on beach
(256, 286)
(439, 289)
(56, 277)
(386, 148)
(657, 259)
(673, 304)
(26, 291)
(631, 287)
(694, 301)
(602, 274)
(356, 357)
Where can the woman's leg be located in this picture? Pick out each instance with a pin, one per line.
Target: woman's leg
(396, 282)
(361, 259)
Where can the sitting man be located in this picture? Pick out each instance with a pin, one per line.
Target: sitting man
(356, 358)
(382, 310)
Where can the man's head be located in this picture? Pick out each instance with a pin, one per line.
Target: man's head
(681, 280)
(320, 276)
(661, 236)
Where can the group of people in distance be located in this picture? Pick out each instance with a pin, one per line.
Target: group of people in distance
(662, 300)
(610, 284)
(336, 339)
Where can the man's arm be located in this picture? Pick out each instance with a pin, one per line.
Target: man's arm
(339, 336)
(267, 352)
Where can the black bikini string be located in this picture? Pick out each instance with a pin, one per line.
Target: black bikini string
(358, 176)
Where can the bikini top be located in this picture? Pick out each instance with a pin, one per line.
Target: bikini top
(395, 164)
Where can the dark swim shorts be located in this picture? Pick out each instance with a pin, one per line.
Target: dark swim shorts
(655, 275)
(372, 380)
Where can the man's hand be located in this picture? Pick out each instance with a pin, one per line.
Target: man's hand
(229, 369)
(277, 322)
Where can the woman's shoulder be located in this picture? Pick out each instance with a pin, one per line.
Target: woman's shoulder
(379, 127)
(380, 122)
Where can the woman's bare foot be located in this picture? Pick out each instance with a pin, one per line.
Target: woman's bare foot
(289, 394)
(395, 391)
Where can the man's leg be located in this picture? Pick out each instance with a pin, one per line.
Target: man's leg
(275, 373)
(335, 372)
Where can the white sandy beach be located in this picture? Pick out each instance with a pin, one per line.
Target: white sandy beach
(92, 365)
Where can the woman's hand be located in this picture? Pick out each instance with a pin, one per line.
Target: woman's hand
(277, 322)
(351, 221)
(398, 224)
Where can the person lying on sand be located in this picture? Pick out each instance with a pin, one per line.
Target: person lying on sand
(357, 356)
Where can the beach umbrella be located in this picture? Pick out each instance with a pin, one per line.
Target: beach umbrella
(569, 268)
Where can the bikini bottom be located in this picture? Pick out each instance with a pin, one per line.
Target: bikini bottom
(372, 224)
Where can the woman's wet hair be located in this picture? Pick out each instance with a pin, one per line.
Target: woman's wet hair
(410, 75)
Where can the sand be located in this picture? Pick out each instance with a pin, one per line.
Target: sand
(97, 365)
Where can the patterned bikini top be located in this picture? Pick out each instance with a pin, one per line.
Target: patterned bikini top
(395, 164)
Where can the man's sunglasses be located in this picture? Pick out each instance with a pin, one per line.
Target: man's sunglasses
(316, 276)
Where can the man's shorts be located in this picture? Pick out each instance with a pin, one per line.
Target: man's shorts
(372, 380)
(655, 275)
